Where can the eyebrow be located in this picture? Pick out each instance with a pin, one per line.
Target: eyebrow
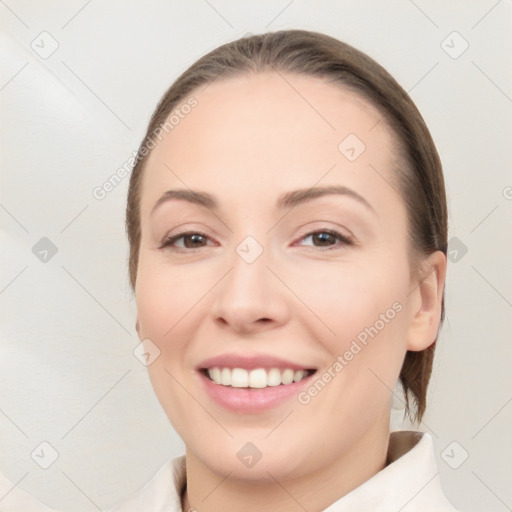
(296, 197)
(286, 200)
(194, 197)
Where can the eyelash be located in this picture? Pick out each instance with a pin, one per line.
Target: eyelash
(343, 240)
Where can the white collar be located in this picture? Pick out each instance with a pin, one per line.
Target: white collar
(409, 483)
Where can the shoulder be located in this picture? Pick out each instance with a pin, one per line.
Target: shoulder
(409, 482)
(416, 467)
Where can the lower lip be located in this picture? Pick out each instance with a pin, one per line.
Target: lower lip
(251, 399)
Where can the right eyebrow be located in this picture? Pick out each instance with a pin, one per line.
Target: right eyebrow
(194, 197)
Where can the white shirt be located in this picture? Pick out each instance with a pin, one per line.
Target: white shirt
(409, 483)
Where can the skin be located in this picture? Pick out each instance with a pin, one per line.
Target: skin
(249, 140)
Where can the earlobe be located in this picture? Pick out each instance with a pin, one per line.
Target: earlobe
(427, 299)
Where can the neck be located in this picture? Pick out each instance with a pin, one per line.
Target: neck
(208, 491)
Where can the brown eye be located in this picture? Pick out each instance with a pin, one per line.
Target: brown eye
(324, 238)
(329, 239)
(195, 240)
(190, 240)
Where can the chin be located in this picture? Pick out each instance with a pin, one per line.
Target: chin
(253, 465)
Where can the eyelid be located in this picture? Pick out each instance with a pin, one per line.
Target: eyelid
(323, 226)
(189, 227)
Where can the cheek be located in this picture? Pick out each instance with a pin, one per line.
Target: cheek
(171, 303)
(164, 302)
(358, 315)
(346, 300)
(164, 297)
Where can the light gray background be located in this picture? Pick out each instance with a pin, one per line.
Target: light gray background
(69, 121)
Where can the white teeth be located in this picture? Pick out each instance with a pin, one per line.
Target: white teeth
(215, 375)
(225, 377)
(287, 377)
(239, 378)
(274, 377)
(257, 378)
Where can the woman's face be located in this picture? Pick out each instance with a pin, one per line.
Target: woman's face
(276, 283)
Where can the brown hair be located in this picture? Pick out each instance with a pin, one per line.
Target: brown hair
(420, 179)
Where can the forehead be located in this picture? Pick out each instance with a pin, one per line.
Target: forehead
(273, 131)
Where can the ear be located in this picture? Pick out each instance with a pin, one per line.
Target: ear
(137, 326)
(426, 302)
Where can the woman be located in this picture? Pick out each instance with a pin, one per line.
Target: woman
(288, 232)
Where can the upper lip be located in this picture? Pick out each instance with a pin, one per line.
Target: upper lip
(250, 362)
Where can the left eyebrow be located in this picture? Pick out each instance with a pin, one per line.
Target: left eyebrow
(296, 197)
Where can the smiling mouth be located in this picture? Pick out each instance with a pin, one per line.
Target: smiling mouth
(257, 378)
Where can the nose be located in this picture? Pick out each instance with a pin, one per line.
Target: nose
(250, 298)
